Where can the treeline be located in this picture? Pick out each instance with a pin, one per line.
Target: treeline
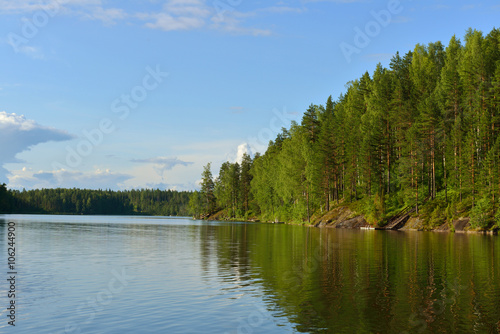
(423, 132)
(95, 202)
(230, 191)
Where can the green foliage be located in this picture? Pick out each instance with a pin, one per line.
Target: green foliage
(195, 204)
(482, 215)
(443, 209)
(232, 188)
(450, 217)
(422, 133)
(100, 202)
(207, 191)
(373, 208)
(5, 199)
(497, 220)
(246, 177)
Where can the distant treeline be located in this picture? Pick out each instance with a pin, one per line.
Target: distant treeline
(424, 132)
(95, 202)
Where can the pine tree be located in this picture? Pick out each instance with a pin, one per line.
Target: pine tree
(429, 123)
(4, 199)
(327, 153)
(207, 190)
(246, 179)
(195, 204)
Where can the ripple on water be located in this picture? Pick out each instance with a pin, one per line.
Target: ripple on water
(197, 277)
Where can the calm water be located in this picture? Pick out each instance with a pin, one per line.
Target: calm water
(173, 275)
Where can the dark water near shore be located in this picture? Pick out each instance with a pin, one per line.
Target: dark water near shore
(88, 274)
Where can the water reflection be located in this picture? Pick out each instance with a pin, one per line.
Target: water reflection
(215, 277)
(364, 281)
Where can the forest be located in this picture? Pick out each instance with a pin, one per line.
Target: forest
(95, 202)
(422, 133)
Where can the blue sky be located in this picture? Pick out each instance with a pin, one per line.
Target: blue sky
(131, 94)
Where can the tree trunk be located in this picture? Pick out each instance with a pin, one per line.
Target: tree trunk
(460, 172)
(473, 172)
(327, 203)
(388, 160)
(433, 162)
(307, 196)
(369, 175)
(445, 179)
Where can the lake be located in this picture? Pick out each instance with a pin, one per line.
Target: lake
(96, 274)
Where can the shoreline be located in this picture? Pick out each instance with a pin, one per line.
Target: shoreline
(343, 218)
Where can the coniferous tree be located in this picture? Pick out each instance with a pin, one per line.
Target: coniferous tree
(428, 126)
(246, 179)
(207, 190)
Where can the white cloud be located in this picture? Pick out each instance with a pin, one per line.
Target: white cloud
(150, 175)
(34, 5)
(168, 163)
(187, 8)
(88, 9)
(13, 121)
(18, 134)
(171, 15)
(142, 176)
(196, 14)
(172, 186)
(178, 15)
(232, 22)
(242, 149)
(108, 16)
(167, 22)
(163, 164)
(97, 179)
(30, 51)
(236, 154)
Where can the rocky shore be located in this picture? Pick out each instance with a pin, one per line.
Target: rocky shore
(345, 218)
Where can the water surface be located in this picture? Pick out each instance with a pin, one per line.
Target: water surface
(95, 274)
